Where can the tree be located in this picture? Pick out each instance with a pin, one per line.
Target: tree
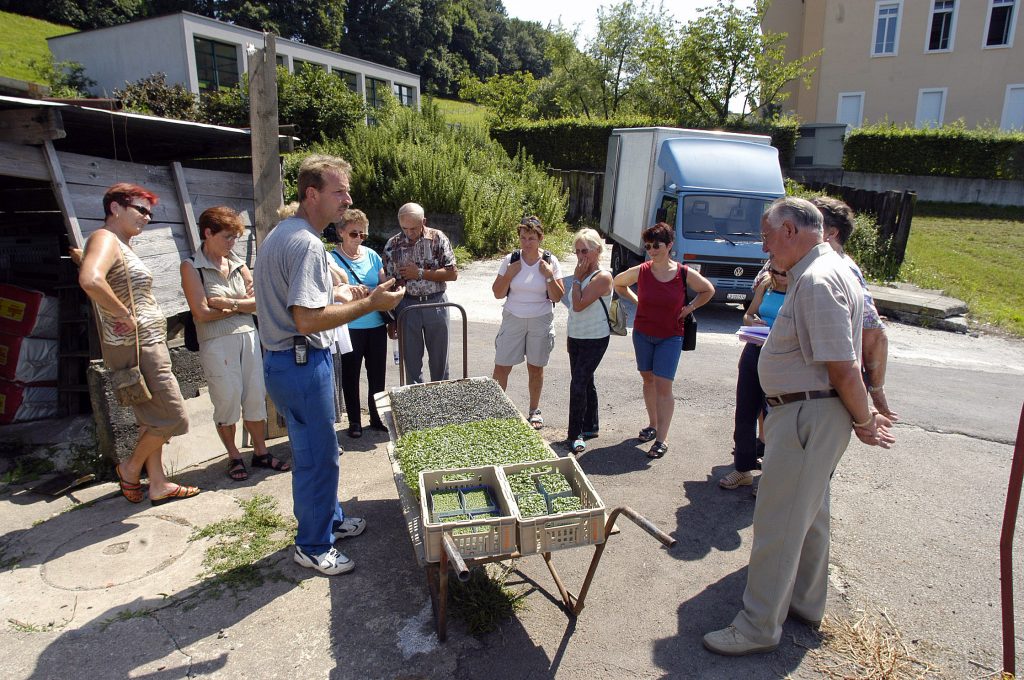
(82, 14)
(718, 57)
(507, 97)
(618, 48)
(574, 86)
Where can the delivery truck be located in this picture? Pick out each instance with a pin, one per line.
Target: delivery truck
(712, 187)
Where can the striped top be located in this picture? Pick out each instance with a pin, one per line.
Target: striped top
(215, 285)
(151, 322)
(592, 322)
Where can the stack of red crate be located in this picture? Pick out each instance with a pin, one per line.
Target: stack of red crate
(29, 354)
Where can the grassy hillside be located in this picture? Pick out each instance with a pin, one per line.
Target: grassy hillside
(464, 113)
(25, 41)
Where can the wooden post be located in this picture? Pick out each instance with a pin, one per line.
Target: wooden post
(266, 164)
(902, 234)
(185, 201)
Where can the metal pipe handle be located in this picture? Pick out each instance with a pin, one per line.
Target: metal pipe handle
(455, 558)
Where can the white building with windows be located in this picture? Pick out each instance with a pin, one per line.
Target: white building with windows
(204, 54)
(919, 62)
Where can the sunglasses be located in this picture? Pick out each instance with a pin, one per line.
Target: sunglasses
(655, 245)
(582, 251)
(775, 271)
(142, 210)
(361, 235)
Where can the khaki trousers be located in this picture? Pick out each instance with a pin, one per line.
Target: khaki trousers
(789, 556)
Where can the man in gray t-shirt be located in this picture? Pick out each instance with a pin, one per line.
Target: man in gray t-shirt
(294, 299)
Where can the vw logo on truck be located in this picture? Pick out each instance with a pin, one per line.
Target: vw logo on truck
(712, 187)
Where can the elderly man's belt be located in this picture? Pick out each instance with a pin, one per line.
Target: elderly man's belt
(800, 396)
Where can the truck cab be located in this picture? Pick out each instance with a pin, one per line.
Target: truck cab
(712, 187)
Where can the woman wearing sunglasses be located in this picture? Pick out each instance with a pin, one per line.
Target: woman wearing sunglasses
(368, 333)
(769, 294)
(134, 332)
(218, 288)
(588, 297)
(661, 306)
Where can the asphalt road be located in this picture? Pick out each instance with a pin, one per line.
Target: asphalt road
(116, 590)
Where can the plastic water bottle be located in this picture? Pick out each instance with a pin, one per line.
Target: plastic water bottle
(394, 350)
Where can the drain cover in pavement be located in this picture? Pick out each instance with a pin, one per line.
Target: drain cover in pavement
(116, 553)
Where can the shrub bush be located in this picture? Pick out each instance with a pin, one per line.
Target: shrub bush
(581, 144)
(413, 156)
(866, 246)
(951, 150)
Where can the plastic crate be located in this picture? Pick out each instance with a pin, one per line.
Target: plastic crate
(565, 530)
(492, 536)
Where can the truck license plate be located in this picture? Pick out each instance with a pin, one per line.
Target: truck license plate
(736, 296)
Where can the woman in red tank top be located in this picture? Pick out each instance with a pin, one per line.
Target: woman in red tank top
(661, 306)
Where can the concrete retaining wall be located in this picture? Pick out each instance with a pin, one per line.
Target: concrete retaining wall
(940, 189)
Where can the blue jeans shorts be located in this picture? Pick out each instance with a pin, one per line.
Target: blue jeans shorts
(660, 355)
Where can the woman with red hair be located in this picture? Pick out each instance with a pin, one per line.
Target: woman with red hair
(134, 331)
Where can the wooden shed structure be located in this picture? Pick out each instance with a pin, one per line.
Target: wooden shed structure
(56, 161)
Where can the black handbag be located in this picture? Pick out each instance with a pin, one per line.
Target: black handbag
(690, 322)
(191, 334)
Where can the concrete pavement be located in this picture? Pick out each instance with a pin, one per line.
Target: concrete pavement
(116, 590)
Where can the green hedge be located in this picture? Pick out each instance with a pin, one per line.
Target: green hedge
(952, 151)
(580, 144)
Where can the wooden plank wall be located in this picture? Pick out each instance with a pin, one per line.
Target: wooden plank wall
(164, 243)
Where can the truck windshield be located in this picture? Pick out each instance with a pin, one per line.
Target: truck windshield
(722, 217)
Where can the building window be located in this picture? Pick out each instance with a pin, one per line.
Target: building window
(298, 64)
(280, 60)
(216, 64)
(375, 90)
(850, 109)
(887, 28)
(351, 79)
(404, 94)
(940, 32)
(931, 107)
(1001, 16)
(1013, 109)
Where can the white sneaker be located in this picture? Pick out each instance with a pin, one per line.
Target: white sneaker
(349, 527)
(331, 562)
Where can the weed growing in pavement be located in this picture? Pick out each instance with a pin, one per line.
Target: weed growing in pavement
(22, 627)
(8, 561)
(484, 601)
(241, 542)
(126, 615)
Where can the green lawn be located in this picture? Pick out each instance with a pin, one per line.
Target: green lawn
(24, 41)
(974, 253)
(465, 113)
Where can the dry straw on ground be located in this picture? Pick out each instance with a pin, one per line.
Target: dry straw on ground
(867, 648)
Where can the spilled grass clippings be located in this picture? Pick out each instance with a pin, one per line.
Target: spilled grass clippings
(126, 615)
(241, 542)
(474, 444)
(484, 601)
(868, 648)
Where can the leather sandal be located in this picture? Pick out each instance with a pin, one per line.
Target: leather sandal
(647, 434)
(271, 463)
(536, 419)
(236, 469)
(658, 450)
(179, 493)
(131, 492)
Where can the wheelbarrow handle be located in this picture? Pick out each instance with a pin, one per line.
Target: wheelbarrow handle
(641, 522)
(455, 557)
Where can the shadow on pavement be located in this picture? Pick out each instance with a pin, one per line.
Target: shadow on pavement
(683, 655)
(711, 517)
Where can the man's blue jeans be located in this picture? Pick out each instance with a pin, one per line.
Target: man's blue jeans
(304, 395)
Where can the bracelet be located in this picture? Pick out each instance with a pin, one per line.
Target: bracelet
(875, 388)
(871, 419)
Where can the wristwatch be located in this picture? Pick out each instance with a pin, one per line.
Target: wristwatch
(550, 279)
(419, 272)
(234, 305)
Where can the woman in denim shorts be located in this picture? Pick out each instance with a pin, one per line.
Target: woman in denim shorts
(661, 306)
